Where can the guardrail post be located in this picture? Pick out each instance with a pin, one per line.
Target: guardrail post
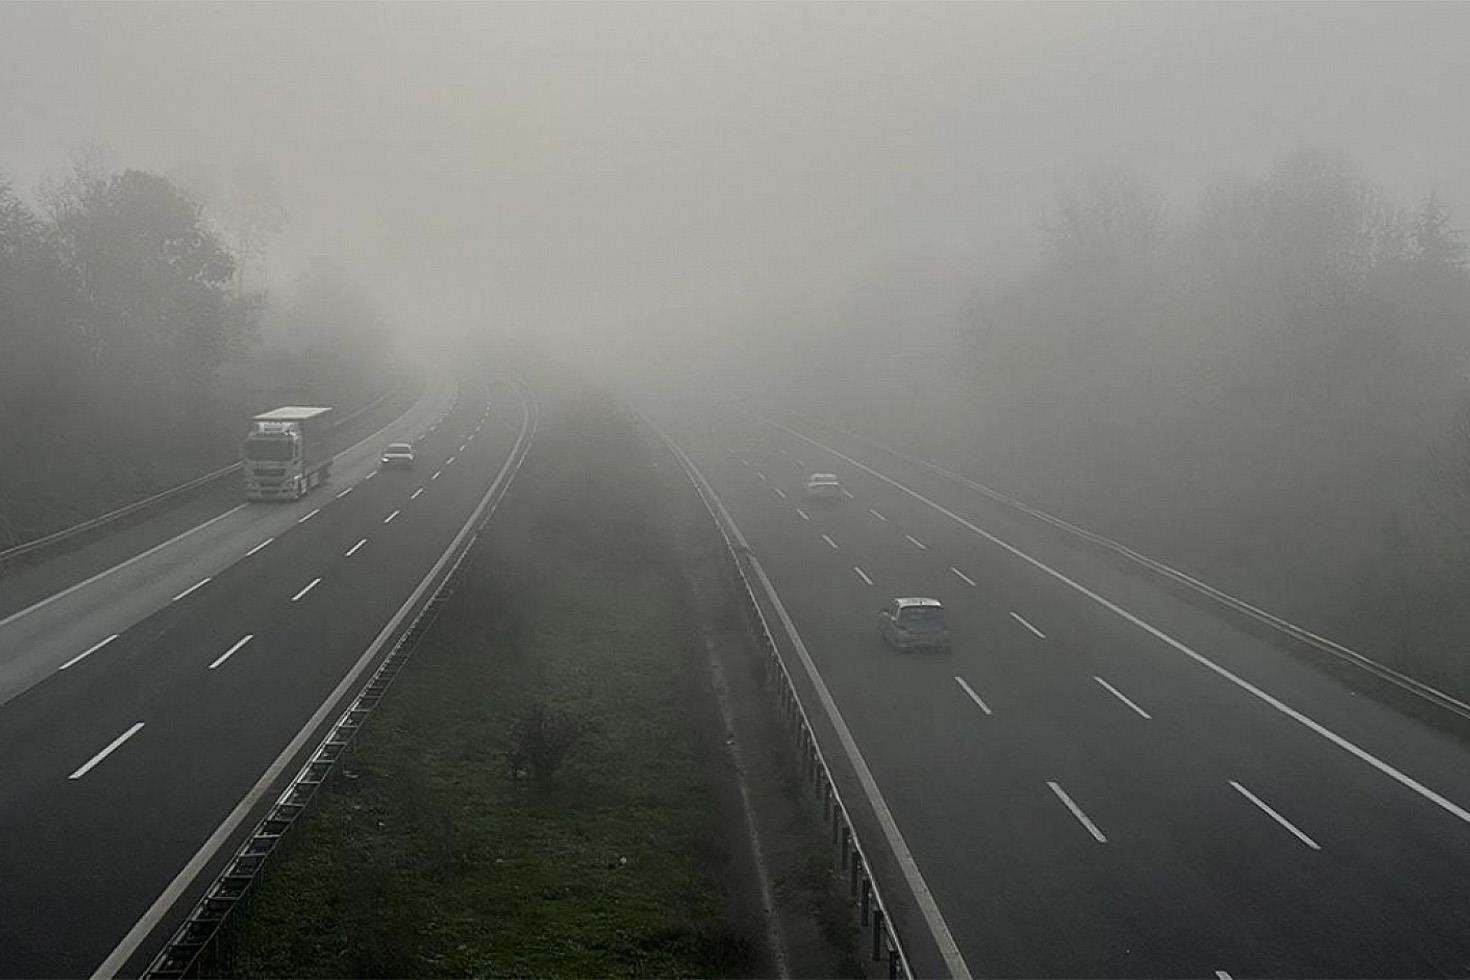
(877, 932)
(892, 962)
(867, 899)
(846, 848)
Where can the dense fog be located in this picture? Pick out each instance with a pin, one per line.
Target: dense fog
(1191, 275)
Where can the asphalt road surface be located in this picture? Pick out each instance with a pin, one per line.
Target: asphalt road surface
(1102, 778)
(140, 702)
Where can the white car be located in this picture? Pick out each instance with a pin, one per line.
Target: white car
(398, 454)
(823, 486)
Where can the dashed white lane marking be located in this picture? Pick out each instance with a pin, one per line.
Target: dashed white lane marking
(197, 585)
(1275, 816)
(973, 696)
(744, 461)
(111, 748)
(436, 475)
(461, 447)
(1082, 818)
(877, 515)
(916, 542)
(309, 586)
(89, 651)
(370, 476)
(231, 651)
(783, 450)
(415, 494)
(389, 518)
(1222, 975)
(962, 576)
(258, 547)
(847, 493)
(1020, 619)
(830, 543)
(800, 462)
(862, 575)
(1352, 748)
(353, 550)
(802, 514)
(779, 492)
(344, 493)
(760, 474)
(1122, 697)
(450, 460)
(303, 520)
(470, 439)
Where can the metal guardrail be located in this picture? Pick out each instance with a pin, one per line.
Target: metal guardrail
(1301, 634)
(848, 853)
(206, 925)
(66, 533)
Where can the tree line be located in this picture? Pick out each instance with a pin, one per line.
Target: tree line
(1269, 387)
(134, 343)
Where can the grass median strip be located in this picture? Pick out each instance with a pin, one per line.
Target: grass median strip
(540, 793)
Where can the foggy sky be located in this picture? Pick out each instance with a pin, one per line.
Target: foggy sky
(670, 174)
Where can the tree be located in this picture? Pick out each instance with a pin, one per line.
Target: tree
(1436, 246)
(155, 301)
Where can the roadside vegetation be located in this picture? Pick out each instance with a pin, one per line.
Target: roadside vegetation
(136, 337)
(546, 791)
(1268, 387)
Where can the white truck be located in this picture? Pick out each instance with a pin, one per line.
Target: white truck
(285, 453)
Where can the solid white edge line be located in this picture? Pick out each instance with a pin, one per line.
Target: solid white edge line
(197, 585)
(309, 586)
(1351, 748)
(1022, 620)
(149, 920)
(353, 550)
(120, 565)
(917, 543)
(949, 950)
(1266, 808)
(802, 514)
(1082, 818)
(830, 543)
(962, 576)
(178, 537)
(303, 520)
(973, 696)
(231, 651)
(877, 515)
(1122, 697)
(258, 547)
(89, 651)
(112, 747)
(862, 575)
(389, 518)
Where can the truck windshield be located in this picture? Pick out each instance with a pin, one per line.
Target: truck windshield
(271, 449)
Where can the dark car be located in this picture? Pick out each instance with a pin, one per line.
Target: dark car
(914, 623)
(398, 454)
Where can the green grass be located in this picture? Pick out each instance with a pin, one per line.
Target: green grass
(427, 857)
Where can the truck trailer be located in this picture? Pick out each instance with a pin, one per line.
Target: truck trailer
(285, 453)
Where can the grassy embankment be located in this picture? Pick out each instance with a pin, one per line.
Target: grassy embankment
(440, 852)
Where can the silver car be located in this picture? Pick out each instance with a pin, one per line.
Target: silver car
(913, 623)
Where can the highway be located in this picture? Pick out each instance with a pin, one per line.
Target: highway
(1102, 778)
(142, 702)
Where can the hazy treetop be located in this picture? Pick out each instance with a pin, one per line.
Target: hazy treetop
(716, 163)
